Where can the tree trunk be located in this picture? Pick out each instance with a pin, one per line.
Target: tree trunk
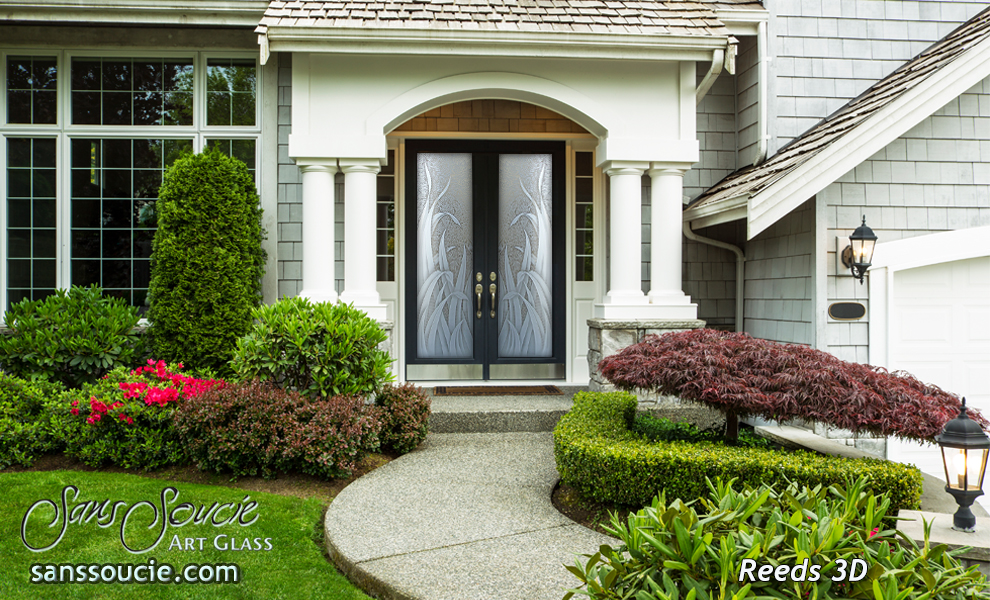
(731, 428)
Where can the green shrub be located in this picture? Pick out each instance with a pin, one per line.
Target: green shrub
(657, 429)
(674, 550)
(126, 418)
(25, 431)
(405, 418)
(73, 336)
(207, 261)
(253, 428)
(599, 456)
(316, 349)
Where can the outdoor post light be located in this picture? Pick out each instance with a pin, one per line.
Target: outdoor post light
(964, 456)
(859, 252)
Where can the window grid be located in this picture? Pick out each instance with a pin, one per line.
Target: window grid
(230, 95)
(241, 149)
(32, 90)
(63, 131)
(584, 217)
(114, 189)
(31, 231)
(122, 91)
(385, 221)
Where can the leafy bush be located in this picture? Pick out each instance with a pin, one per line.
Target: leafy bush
(73, 336)
(324, 349)
(256, 428)
(25, 432)
(672, 550)
(741, 375)
(207, 261)
(406, 415)
(598, 455)
(126, 418)
(664, 430)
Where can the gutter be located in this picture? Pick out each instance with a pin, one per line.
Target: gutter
(721, 58)
(740, 268)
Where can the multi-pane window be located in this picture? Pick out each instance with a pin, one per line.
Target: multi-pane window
(584, 242)
(132, 91)
(31, 234)
(127, 120)
(32, 90)
(114, 189)
(385, 221)
(230, 95)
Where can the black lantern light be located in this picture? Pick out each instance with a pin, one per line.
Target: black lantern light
(859, 253)
(964, 456)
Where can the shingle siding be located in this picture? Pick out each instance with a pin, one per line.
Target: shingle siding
(828, 52)
(933, 178)
(779, 302)
(716, 128)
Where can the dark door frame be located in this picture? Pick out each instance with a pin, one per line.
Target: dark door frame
(485, 203)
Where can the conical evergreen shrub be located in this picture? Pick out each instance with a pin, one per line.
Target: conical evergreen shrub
(207, 261)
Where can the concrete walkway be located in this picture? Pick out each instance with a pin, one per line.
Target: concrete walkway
(464, 517)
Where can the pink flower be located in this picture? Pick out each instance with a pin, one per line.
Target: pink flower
(75, 403)
(74, 411)
(874, 532)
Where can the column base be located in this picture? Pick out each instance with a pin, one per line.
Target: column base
(677, 298)
(318, 296)
(675, 312)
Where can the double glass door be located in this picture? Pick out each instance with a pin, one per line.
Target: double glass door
(485, 260)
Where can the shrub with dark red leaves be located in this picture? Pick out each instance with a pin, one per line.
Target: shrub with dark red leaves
(406, 416)
(256, 428)
(745, 376)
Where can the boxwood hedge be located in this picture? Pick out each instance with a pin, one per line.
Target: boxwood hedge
(598, 455)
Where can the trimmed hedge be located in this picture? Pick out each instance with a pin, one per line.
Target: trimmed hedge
(598, 455)
(26, 430)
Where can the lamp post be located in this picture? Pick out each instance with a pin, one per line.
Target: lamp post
(964, 456)
(858, 255)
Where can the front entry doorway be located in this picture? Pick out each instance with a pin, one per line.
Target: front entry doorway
(485, 260)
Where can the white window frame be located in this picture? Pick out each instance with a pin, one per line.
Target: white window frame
(63, 131)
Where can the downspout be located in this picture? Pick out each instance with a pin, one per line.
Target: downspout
(761, 91)
(721, 58)
(740, 267)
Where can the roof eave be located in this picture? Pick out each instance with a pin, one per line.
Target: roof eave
(217, 13)
(492, 42)
(718, 212)
(779, 198)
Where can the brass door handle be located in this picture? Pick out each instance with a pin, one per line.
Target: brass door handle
(493, 288)
(477, 291)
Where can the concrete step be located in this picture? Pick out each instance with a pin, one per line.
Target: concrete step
(499, 414)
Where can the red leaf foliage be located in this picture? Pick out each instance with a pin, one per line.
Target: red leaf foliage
(737, 373)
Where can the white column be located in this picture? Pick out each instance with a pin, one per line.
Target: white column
(317, 233)
(666, 238)
(625, 234)
(360, 268)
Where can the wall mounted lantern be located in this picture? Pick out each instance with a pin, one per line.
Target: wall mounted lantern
(964, 456)
(859, 253)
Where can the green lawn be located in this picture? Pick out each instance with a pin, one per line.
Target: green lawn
(294, 567)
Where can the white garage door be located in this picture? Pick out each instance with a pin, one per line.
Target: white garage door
(940, 333)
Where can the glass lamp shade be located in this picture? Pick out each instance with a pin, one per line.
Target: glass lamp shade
(965, 468)
(862, 241)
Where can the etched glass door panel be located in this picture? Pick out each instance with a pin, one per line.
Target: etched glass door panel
(444, 256)
(525, 258)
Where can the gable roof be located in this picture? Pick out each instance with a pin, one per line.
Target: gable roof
(764, 193)
(668, 17)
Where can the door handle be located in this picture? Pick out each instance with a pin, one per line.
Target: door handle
(493, 288)
(477, 291)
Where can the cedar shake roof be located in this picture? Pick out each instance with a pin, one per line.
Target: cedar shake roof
(752, 180)
(669, 17)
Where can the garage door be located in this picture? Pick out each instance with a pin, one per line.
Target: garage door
(940, 332)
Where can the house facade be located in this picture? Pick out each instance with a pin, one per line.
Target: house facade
(516, 188)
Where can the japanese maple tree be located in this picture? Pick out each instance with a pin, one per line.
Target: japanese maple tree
(745, 376)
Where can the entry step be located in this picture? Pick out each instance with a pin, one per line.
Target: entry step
(499, 414)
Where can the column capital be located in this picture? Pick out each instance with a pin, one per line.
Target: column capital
(659, 169)
(625, 167)
(360, 165)
(312, 168)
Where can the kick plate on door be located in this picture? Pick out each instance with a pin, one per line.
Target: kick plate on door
(539, 371)
(443, 372)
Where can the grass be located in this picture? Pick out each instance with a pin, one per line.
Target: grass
(295, 567)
